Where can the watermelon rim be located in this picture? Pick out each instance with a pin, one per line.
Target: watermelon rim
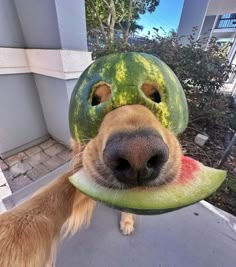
(177, 194)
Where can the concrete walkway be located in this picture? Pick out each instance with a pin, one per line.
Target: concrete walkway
(190, 237)
(197, 236)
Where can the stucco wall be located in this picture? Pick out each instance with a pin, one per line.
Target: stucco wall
(55, 24)
(193, 15)
(34, 105)
(10, 30)
(39, 23)
(55, 103)
(21, 116)
(20, 112)
(207, 27)
(72, 24)
(70, 84)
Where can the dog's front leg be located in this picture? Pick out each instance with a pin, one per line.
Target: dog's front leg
(127, 223)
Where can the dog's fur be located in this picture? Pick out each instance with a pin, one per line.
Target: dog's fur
(29, 232)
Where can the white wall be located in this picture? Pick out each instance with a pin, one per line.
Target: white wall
(193, 15)
(55, 96)
(220, 7)
(10, 30)
(33, 105)
(72, 24)
(38, 19)
(21, 117)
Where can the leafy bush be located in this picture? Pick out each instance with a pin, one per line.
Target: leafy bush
(200, 66)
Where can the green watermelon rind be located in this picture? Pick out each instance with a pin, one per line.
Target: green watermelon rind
(126, 72)
(158, 200)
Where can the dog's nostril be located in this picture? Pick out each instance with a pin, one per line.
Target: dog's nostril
(153, 162)
(122, 164)
(135, 158)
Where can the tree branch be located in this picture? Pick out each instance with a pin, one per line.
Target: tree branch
(113, 20)
(93, 7)
(106, 3)
(120, 25)
(126, 34)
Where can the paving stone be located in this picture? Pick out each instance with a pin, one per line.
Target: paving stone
(3, 165)
(16, 158)
(65, 155)
(37, 159)
(19, 182)
(54, 149)
(53, 163)
(8, 175)
(33, 150)
(20, 168)
(37, 172)
(47, 143)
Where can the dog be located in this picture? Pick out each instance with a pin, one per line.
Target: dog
(131, 149)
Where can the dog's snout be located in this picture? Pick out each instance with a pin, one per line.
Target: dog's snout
(136, 158)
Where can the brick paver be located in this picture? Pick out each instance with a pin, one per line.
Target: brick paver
(16, 158)
(8, 175)
(65, 155)
(54, 149)
(47, 143)
(37, 159)
(54, 162)
(33, 150)
(38, 171)
(25, 167)
(20, 168)
(19, 182)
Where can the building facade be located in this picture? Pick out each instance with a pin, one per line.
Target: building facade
(213, 18)
(43, 51)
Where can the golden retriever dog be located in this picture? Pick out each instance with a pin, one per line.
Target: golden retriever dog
(131, 149)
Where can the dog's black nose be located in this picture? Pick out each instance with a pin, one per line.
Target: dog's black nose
(135, 158)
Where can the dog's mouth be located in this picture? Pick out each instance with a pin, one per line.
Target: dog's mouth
(105, 177)
(133, 159)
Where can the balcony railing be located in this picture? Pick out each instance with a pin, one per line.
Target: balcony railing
(226, 21)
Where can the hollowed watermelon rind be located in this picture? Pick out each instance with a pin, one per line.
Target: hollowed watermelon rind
(126, 72)
(177, 194)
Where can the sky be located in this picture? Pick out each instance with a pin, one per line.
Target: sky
(166, 15)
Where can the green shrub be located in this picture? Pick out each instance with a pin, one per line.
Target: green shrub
(201, 67)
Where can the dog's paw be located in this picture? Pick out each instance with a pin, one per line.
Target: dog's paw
(126, 223)
(126, 227)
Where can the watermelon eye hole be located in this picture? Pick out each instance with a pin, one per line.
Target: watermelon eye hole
(151, 92)
(101, 93)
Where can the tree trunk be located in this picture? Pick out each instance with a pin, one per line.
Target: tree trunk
(126, 32)
(101, 27)
(112, 21)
